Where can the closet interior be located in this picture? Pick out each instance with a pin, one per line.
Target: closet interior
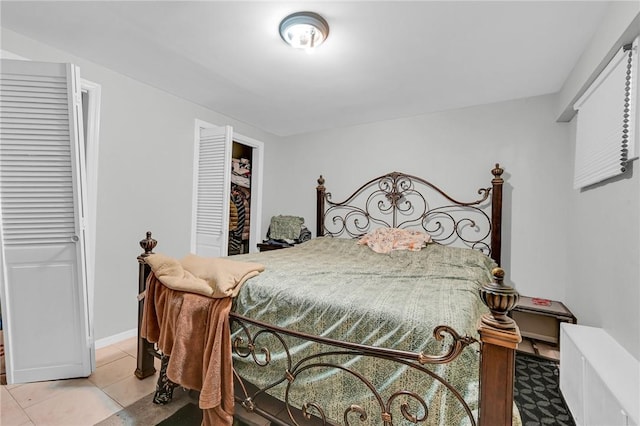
(240, 203)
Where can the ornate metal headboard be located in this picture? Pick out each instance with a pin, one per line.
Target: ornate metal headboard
(400, 200)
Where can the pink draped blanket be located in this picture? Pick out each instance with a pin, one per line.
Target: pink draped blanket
(194, 331)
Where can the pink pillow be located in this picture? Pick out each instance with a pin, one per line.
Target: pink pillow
(384, 240)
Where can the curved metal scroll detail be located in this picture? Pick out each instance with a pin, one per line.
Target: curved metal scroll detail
(404, 407)
(398, 200)
(245, 346)
(473, 229)
(459, 343)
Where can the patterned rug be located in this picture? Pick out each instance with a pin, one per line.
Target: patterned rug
(537, 392)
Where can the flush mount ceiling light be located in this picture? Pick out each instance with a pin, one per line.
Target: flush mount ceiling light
(304, 30)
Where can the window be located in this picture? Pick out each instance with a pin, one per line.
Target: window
(606, 138)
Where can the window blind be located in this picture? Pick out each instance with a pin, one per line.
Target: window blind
(606, 137)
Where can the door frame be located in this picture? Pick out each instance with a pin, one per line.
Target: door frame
(91, 144)
(257, 161)
(257, 164)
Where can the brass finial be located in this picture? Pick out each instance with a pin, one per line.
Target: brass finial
(500, 299)
(148, 244)
(497, 172)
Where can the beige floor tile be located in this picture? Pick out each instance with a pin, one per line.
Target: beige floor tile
(108, 354)
(29, 394)
(15, 385)
(11, 413)
(79, 401)
(113, 372)
(129, 390)
(81, 406)
(129, 346)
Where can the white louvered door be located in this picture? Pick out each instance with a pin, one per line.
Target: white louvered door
(44, 286)
(212, 191)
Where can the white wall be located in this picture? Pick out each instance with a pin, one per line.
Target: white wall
(604, 230)
(145, 177)
(604, 257)
(619, 26)
(455, 150)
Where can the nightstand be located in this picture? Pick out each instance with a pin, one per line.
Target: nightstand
(539, 324)
(271, 246)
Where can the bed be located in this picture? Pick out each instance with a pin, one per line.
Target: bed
(333, 332)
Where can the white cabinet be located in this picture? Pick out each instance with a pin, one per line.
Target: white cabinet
(599, 379)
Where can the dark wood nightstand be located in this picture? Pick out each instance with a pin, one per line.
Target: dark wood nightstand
(268, 246)
(539, 325)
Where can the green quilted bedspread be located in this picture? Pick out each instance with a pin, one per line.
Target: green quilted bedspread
(338, 289)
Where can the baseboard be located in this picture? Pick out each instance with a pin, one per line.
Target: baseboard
(101, 343)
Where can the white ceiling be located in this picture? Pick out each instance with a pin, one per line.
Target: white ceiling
(382, 60)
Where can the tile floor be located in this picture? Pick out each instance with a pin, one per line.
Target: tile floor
(81, 402)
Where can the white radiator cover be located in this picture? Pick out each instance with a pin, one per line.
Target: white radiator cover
(599, 379)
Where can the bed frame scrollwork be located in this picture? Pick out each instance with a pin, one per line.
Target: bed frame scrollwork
(399, 200)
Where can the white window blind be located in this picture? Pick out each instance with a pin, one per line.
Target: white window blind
(606, 137)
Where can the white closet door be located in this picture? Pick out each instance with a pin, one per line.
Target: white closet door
(212, 191)
(43, 260)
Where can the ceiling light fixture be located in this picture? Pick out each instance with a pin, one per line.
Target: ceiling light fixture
(304, 30)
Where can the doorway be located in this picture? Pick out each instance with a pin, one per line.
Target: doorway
(240, 203)
(227, 178)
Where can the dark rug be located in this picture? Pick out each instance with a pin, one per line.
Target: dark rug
(190, 414)
(145, 413)
(537, 392)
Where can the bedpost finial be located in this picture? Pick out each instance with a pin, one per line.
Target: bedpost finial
(321, 181)
(500, 299)
(148, 244)
(497, 171)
